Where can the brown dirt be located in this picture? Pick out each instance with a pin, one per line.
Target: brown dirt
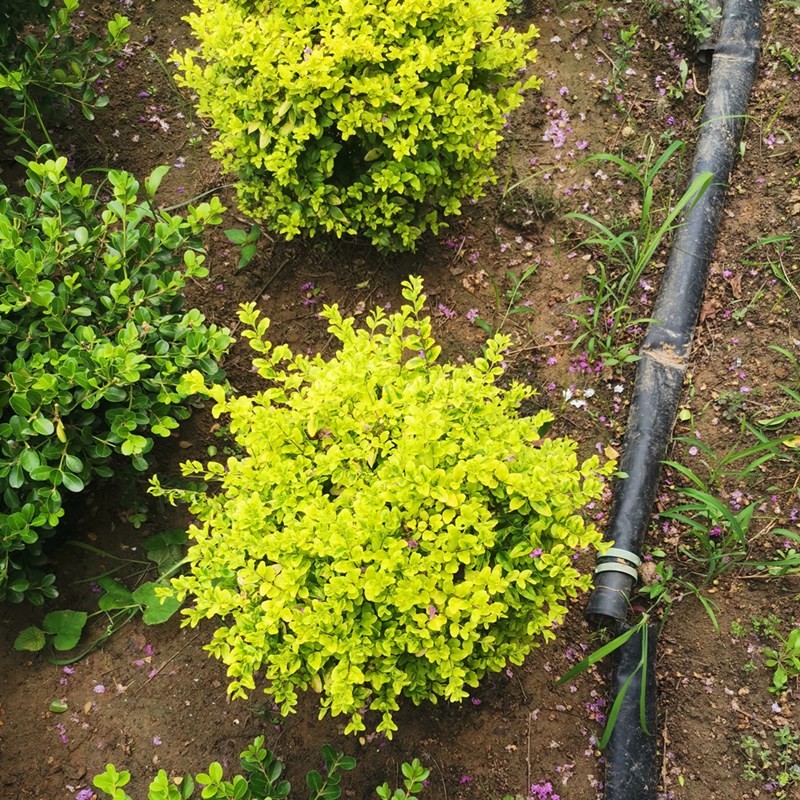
(163, 700)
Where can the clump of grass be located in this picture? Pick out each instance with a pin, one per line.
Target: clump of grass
(607, 310)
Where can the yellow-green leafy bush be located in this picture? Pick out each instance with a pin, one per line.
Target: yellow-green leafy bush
(356, 116)
(393, 526)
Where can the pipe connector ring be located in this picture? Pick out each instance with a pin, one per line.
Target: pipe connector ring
(624, 561)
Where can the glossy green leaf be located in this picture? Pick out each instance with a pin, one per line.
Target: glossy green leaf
(116, 596)
(66, 626)
(154, 180)
(72, 482)
(43, 426)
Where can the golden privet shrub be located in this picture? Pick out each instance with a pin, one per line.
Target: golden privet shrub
(356, 116)
(392, 526)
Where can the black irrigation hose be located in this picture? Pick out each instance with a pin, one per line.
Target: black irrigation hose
(659, 378)
(664, 354)
(628, 774)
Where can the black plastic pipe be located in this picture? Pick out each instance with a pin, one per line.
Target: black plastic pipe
(664, 354)
(628, 774)
(631, 755)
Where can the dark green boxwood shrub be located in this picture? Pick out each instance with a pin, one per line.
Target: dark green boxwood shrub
(14, 14)
(54, 68)
(93, 342)
(360, 117)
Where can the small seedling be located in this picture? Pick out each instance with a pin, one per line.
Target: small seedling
(739, 464)
(414, 776)
(247, 240)
(786, 55)
(623, 52)
(778, 253)
(784, 660)
(509, 303)
(699, 18)
(667, 588)
(118, 605)
(719, 534)
(776, 766)
(737, 629)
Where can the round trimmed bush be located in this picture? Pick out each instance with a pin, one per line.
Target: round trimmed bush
(393, 526)
(356, 116)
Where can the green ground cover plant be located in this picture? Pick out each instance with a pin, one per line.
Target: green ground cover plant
(117, 605)
(261, 780)
(93, 342)
(774, 763)
(783, 659)
(356, 118)
(393, 527)
(699, 17)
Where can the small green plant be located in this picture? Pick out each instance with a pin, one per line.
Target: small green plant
(117, 605)
(394, 527)
(719, 533)
(776, 766)
(788, 55)
(743, 308)
(261, 780)
(784, 657)
(510, 305)
(738, 630)
(739, 464)
(524, 204)
(778, 252)
(785, 559)
(779, 421)
(608, 310)
(414, 777)
(247, 240)
(768, 626)
(55, 70)
(93, 343)
(677, 90)
(699, 17)
(665, 587)
(358, 118)
(784, 660)
(623, 52)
